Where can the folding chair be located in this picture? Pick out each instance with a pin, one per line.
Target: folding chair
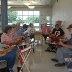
(24, 57)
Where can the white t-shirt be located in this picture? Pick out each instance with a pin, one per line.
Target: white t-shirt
(30, 31)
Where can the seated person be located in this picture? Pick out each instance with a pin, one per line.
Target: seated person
(45, 31)
(25, 27)
(19, 29)
(56, 35)
(30, 31)
(8, 40)
(66, 48)
(31, 34)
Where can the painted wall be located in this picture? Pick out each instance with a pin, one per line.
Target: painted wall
(62, 10)
(0, 22)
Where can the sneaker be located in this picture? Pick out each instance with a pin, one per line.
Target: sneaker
(18, 69)
(60, 64)
(55, 60)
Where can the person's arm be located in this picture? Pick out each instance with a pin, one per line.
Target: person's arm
(62, 32)
(27, 31)
(53, 31)
(65, 45)
(64, 39)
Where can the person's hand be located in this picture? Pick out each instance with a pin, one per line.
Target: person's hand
(12, 46)
(60, 43)
(64, 39)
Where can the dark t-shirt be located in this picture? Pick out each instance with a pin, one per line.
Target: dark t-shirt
(58, 32)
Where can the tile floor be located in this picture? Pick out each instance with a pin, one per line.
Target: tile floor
(40, 61)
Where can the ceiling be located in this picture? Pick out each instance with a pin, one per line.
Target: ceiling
(32, 2)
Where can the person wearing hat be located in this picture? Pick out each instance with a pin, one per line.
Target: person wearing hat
(65, 49)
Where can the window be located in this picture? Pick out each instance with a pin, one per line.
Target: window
(48, 20)
(19, 12)
(25, 12)
(36, 13)
(19, 17)
(25, 17)
(31, 13)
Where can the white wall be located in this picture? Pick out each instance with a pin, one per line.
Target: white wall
(62, 10)
(0, 22)
(44, 11)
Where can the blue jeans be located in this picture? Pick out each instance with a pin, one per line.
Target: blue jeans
(61, 52)
(10, 57)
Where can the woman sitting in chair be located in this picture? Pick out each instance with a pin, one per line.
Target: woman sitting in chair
(30, 31)
(9, 41)
(45, 31)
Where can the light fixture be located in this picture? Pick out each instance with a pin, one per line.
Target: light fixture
(10, 2)
(9, 7)
(30, 4)
(31, 7)
(27, 3)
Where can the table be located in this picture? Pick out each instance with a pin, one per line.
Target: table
(24, 56)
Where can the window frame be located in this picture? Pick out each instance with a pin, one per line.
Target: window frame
(29, 15)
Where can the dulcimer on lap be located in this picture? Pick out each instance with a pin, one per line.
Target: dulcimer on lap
(56, 40)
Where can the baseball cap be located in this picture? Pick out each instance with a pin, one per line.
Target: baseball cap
(70, 26)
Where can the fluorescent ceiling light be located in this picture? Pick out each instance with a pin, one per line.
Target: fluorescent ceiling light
(10, 2)
(9, 7)
(31, 7)
(34, 2)
(27, 3)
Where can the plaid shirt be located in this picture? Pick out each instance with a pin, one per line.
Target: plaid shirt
(8, 38)
(5, 38)
(46, 30)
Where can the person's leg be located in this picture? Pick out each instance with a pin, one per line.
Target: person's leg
(61, 52)
(60, 55)
(44, 36)
(48, 48)
(11, 57)
(33, 43)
